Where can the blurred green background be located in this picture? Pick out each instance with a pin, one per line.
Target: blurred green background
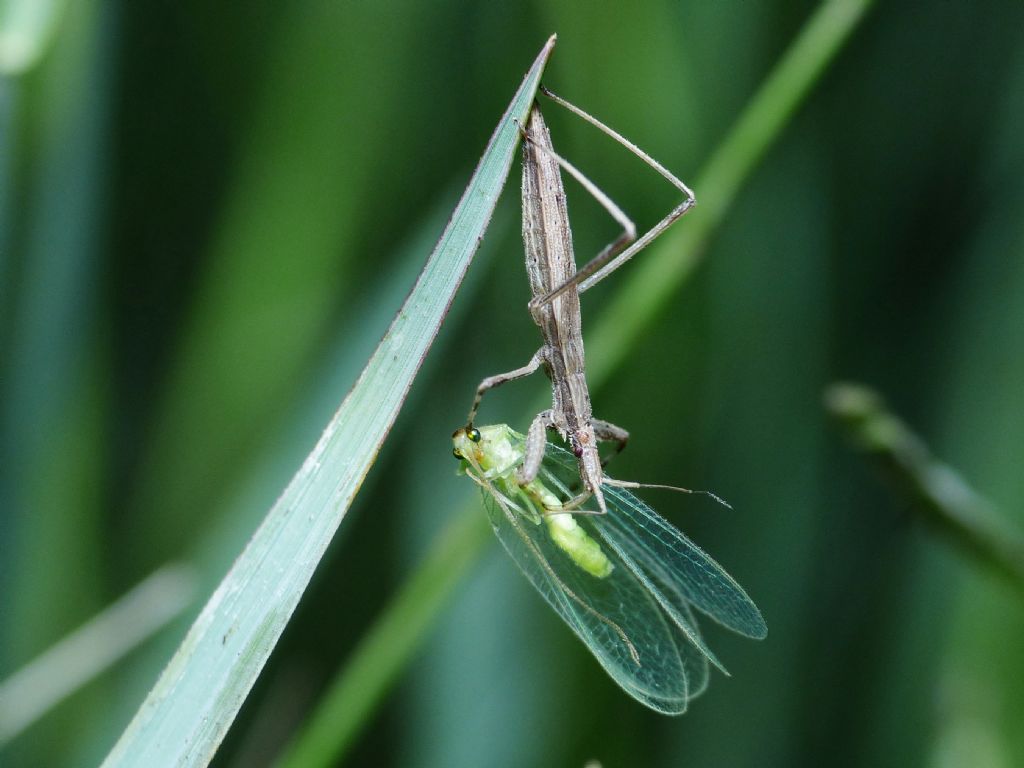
(208, 215)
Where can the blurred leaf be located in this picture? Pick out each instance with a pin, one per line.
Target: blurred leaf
(282, 257)
(26, 28)
(54, 363)
(88, 651)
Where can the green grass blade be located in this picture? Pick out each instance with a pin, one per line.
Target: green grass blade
(189, 710)
(672, 262)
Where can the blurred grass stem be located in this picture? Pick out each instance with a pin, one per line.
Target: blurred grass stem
(94, 647)
(936, 492)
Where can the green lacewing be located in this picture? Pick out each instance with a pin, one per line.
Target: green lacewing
(627, 582)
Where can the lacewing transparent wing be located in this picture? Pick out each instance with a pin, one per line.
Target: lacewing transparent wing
(661, 678)
(637, 620)
(658, 546)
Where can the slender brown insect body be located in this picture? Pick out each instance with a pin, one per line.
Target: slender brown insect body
(547, 239)
(555, 307)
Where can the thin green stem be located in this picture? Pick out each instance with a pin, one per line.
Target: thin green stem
(936, 492)
(652, 283)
